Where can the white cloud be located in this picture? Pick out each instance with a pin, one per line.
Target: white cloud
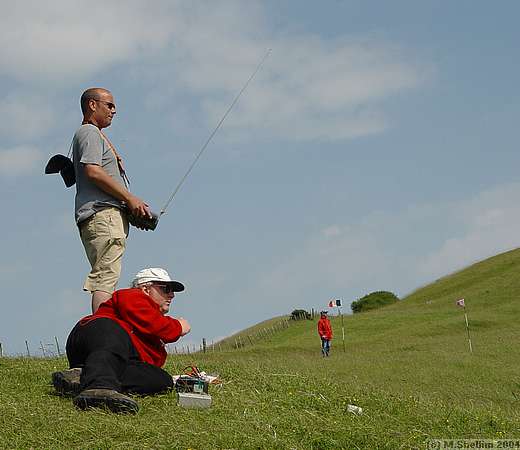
(490, 226)
(397, 250)
(25, 116)
(48, 42)
(334, 261)
(310, 88)
(333, 230)
(19, 160)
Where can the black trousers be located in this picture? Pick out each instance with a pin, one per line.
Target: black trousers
(108, 360)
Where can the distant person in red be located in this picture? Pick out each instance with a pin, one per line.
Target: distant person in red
(120, 348)
(325, 332)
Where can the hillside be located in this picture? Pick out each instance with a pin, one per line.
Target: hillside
(407, 365)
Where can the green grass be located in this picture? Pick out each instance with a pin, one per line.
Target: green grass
(407, 365)
(262, 331)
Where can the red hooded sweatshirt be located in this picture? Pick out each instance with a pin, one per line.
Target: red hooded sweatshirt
(142, 319)
(324, 328)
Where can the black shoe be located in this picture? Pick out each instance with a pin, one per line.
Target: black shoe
(66, 382)
(106, 398)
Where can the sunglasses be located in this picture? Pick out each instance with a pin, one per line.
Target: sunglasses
(165, 288)
(110, 105)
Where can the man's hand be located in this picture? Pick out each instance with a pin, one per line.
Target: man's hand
(186, 328)
(137, 207)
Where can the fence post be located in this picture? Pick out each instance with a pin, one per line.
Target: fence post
(43, 348)
(57, 346)
(27, 347)
(203, 345)
(1, 350)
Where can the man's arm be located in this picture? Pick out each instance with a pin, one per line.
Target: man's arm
(105, 182)
(186, 327)
(139, 310)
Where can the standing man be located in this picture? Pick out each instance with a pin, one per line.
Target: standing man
(101, 195)
(325, 332)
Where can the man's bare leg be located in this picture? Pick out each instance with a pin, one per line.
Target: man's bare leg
(99, 297)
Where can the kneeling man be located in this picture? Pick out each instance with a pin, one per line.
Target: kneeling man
(120, 348)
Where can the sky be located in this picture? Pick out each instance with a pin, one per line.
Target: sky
(376, 149)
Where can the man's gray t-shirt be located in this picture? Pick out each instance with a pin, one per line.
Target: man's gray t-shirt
(89, 147)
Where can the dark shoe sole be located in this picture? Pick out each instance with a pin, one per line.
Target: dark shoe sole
(64, 386)
(116, 405)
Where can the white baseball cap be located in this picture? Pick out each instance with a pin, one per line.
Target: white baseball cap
(156, 274)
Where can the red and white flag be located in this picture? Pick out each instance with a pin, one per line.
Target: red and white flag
(460, 303)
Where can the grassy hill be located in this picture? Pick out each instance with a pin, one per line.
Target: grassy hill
(407, 365)
(261, 332)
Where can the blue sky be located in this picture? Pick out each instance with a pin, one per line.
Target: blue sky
(376, 149)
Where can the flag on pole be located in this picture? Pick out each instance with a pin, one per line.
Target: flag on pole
(335, 302)
(462, 304)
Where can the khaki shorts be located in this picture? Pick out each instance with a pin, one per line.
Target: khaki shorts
(104, 238)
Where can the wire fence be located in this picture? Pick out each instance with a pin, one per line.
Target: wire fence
(41, 350)
(241, 340)
(244, 339)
